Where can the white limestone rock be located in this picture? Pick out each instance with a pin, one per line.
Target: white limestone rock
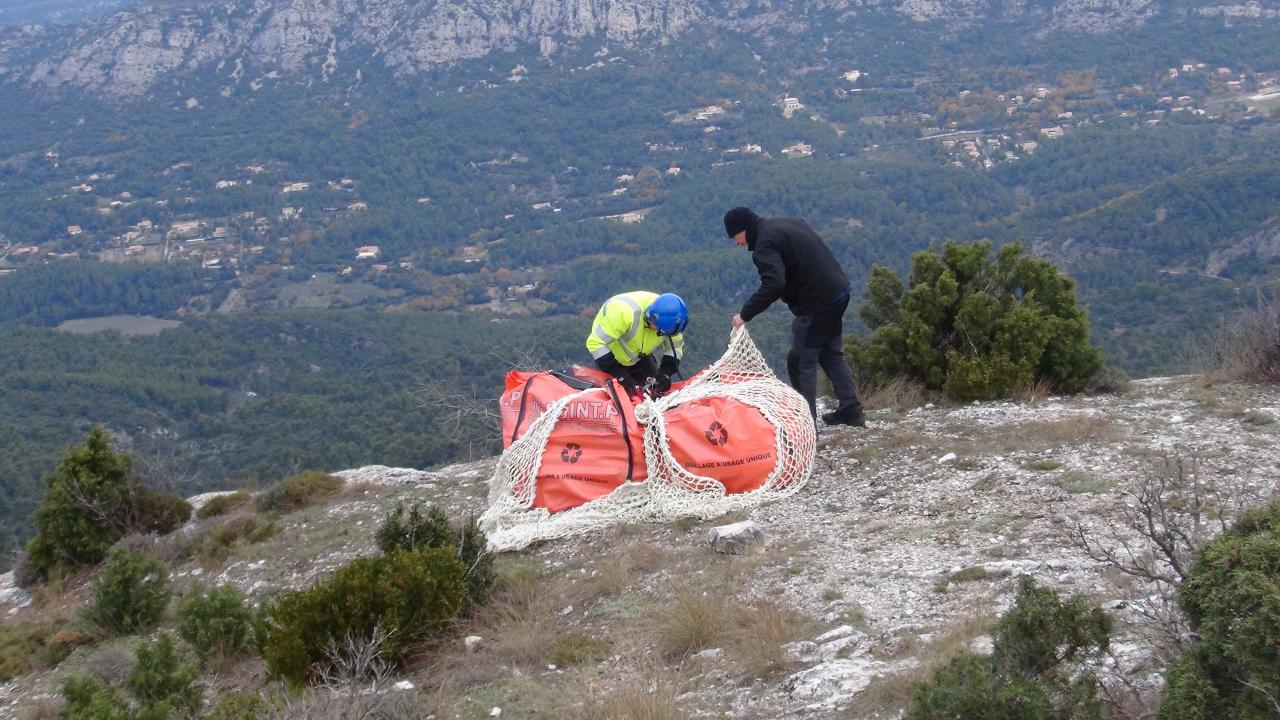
(737, 538)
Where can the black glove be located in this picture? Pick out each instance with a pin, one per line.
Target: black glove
(629, 384)
(661, 384)
(670, 366)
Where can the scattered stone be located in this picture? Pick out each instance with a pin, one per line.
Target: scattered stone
(11, 594)
(472, 642)
(802, 651)
(496, 712)
(835, 634)
(836, 682)
(946, 458)
(198, 501)
(831, 650)
(403, 685)
(981, 645)
(737, 538)
(383, 475)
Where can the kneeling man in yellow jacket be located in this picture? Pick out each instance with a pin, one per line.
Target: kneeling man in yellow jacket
(637, 338)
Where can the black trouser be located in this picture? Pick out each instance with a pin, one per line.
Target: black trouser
(818, 339)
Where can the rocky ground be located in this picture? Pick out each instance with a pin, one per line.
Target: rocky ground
(902, 550)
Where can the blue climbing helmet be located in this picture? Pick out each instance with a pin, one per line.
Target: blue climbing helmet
(668, 314)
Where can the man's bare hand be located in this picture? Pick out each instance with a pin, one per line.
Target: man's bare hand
(738, 321)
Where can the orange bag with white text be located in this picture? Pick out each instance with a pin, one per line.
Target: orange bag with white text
(724, 439)
(595, 446)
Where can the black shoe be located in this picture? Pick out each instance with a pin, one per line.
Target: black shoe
(852, 418)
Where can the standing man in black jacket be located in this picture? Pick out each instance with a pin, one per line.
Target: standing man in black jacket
(797, 266)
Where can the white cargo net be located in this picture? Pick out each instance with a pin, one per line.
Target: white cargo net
(670, 491)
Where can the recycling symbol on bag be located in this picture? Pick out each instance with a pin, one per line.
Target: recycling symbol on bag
(571, 452)
(717, 434)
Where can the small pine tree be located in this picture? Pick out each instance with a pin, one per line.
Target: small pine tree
(974, 328)
(90, 504)
(82, 512)
(216, 623)
(410, 595)
(435, 530)
(131, 592)
(158, 688)
(1031, 673)
(1231, 599)
(161, 680)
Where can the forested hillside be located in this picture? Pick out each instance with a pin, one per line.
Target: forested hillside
(387, 228)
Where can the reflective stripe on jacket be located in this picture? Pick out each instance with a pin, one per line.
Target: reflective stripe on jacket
(619, 328)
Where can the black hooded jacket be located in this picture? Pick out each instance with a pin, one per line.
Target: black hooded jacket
(794, 264)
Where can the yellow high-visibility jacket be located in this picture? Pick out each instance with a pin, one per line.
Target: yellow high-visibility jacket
(620, 328)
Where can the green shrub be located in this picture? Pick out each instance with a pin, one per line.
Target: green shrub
(1027, 676)
(219, 541)
(1230, 597)
(223, 504)
(249, 528)
(240, 706)
(216, 623)
(28, 647)
(161, 679)
(435, 530)
(130, 593)
(158, 688)
(299, 491)
(157, 512)
(1108, 380)
(411, 595)
(91, 503)
(84, 510)
(89, 698)
(974, 328)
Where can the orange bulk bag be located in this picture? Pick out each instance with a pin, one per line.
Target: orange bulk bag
(526, 396)
(724, 439)
(595, 446)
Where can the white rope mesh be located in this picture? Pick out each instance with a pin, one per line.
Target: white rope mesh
(671, 490)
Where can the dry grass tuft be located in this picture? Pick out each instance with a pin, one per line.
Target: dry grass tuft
(648, 695)
(520, 627)
(692, 621)
(647, 557)
(1074, 430)
(899, 394)
(1038, 392)
(612, 576)
(519, 575)
(763, 630)
(577, 648)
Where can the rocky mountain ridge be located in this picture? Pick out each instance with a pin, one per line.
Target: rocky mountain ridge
(129, 53)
